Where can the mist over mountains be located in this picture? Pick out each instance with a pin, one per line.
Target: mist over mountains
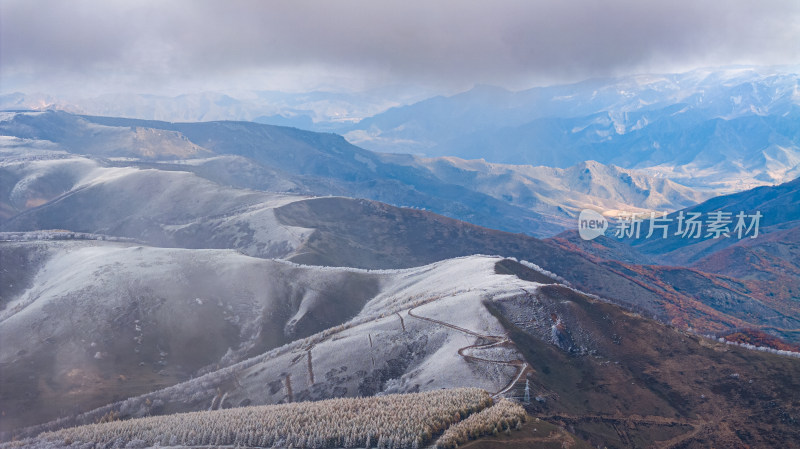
(318, 110)
(724, 129)
(732, 128)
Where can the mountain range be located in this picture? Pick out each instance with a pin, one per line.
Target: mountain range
(724, 129)
(318, 110)
(475, 321)
(533, 200)
(132, 194)
(153, 268)
(718, 129)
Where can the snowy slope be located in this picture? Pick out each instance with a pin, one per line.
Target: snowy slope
(129, 315)
(98, 319)
(264, 157)
(55, 190)
(593, 364)
(175, 208)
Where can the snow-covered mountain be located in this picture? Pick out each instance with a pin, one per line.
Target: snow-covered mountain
(171, 206)
(112, 329)
(722, 128)
(119, 316)
(136, 281)
(535, 200)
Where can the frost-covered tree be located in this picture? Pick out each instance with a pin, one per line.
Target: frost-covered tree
(392, 421)
(502, 416)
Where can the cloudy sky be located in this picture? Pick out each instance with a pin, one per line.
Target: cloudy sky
(173, 46)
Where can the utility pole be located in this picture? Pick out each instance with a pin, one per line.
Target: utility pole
(527, 391)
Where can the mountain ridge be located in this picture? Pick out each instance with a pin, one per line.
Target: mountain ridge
(735, 128)
(273, 158)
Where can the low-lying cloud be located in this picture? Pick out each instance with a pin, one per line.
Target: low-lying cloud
(149, 45)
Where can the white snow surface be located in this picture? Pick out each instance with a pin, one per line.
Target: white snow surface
(85, 286)
(187, 207)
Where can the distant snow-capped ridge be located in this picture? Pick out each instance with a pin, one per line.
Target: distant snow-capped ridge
(726, 128)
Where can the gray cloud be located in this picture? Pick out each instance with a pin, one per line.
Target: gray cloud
(121, 45)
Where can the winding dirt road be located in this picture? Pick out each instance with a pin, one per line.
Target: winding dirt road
(495, 340)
